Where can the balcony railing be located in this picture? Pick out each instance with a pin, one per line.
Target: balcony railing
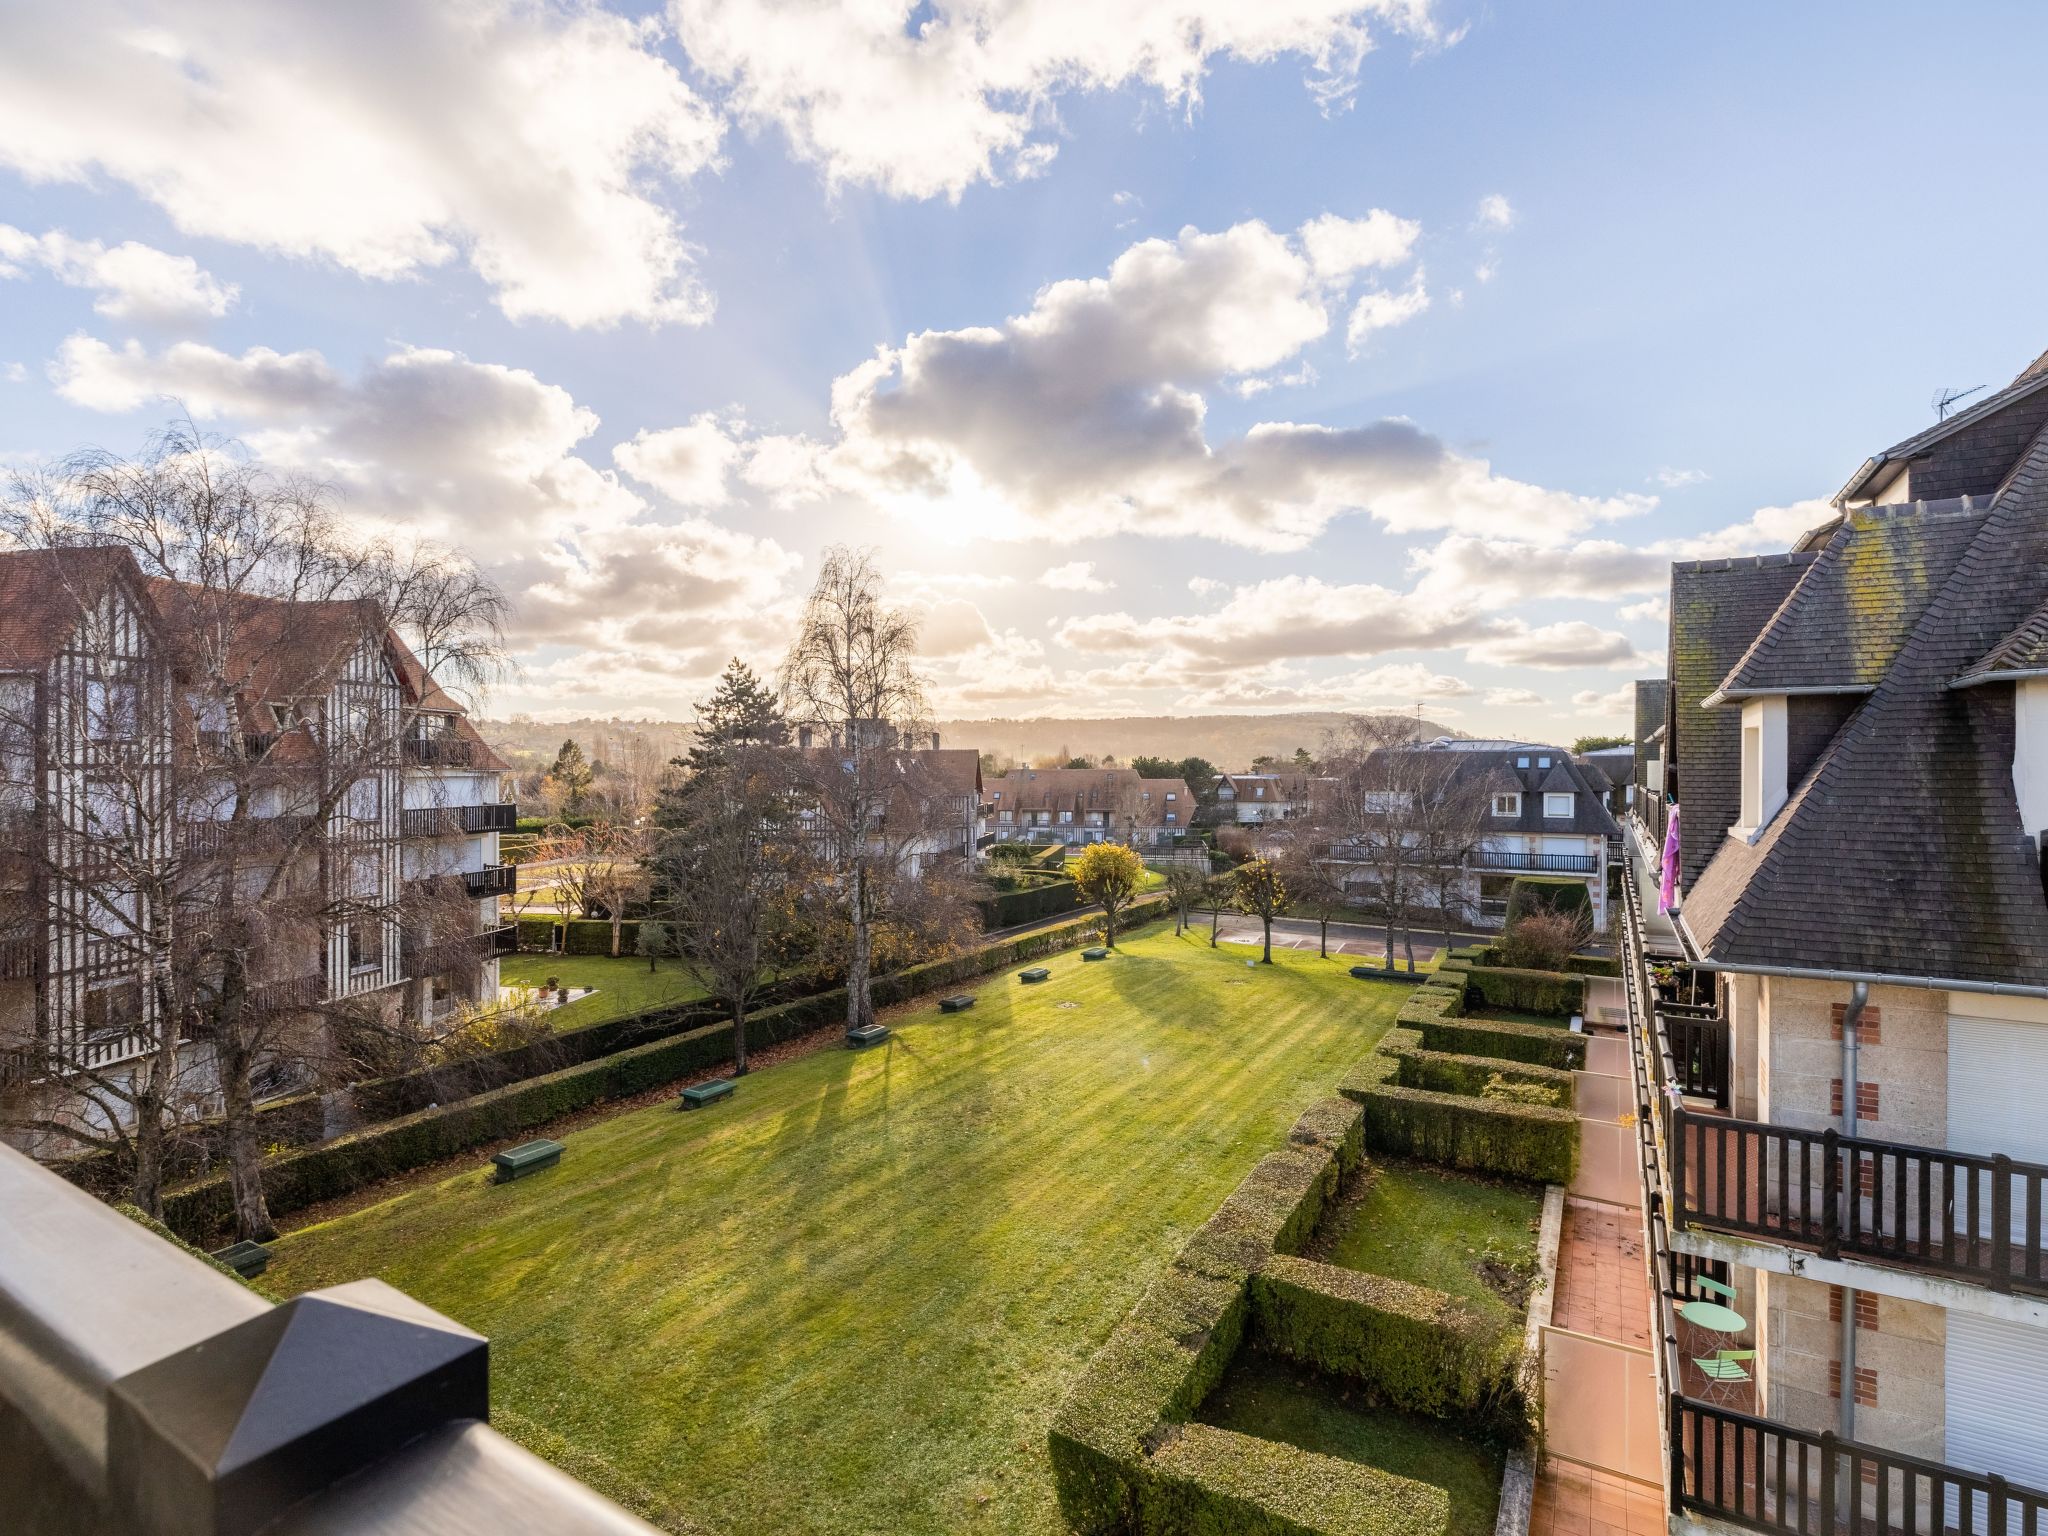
(1539, 863)
(459, 820)
(491, 880)
(1734, 1466)
(19, 952)
(440, 751)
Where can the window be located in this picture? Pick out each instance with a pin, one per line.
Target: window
(366, 799)
(1507, 805)
(110, 710)
(365, 945)
(1066, 817)
(1258, 791)
(1171, 797)
(1521, 762)
(1144, 797)
(1005, 817)
(1542, 762)
(113, 1008)
(1172, 817)
(1558, 803)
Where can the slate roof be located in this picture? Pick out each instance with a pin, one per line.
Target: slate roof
(1500, 771)
(1717, 608)
(1901, 852)
(1859, 600)
(1116, 791)
(1971, 443)
(2022, 653)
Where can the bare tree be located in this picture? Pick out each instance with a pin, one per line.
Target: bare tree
(726, 865)
(1371, 816)
(878, 811)
(217, 796)
(1185, 888)
(1314, 873)
(1451, 808)
(1258, 890)
(597, 869)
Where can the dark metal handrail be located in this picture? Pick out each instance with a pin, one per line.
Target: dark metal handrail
(459, 820)
(440, 751)
(1552, 863)
(491, 880)
(1699, 1051)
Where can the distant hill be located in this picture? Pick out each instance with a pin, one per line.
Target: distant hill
(1228, 741)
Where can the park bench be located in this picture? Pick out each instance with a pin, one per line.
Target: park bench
(867, 1034)
(245, 1258)
(528, 1157)
(959, 1003)
(1097, 953)
(1036, 973)
(707, 1093)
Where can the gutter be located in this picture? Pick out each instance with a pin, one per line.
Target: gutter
(1722, 696)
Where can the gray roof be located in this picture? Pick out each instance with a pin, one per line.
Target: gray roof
(1501, 773)
(1901, 851)
(1972, 450)
(2021, 653)
(1859, 600)
(1717, 609)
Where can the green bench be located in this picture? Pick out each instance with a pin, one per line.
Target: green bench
(957, 1004)
(867, 1034)
(245, 1258)
(1036, 973)
(705, 1094)
(1097, 953)
(528, 1157)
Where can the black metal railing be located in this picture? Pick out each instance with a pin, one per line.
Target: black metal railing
(19, 952)
(491, 880)
(459, 820)
(1699, 1050)
(440, 751)
(503, 940)
(1544, 863)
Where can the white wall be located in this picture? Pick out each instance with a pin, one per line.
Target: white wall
(1765, 776)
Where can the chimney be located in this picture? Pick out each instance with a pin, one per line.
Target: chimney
(935, 741)
(803, 737)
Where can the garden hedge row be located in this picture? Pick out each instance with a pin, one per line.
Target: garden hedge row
(1125, 1456)
(1518, 1141)
(1537, 1044)
(1446, 1072)
(1420, 1350)
(305, 1176)
(1044, 898)
(1556, 993)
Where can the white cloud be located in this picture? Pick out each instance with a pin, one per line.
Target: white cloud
(1085, 416)
(1075, 576)
(1765, 531)
(687, 464)
(1616, 703)
(1495, 212)
(1378, 310)
(134, 282)
(1484, 272)
(1572, 643)
(1656, 608)
(386, 137)
(1514, 698)
(1403, 681)
(1505, 571)
(969, 93)
(1339, 247)
(1203, 586)
(17, 373)
(1677, 479)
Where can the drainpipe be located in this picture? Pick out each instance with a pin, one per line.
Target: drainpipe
(1852, 1018)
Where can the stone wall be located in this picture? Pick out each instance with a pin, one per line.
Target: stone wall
(1900, 1363)
(1902, 1064)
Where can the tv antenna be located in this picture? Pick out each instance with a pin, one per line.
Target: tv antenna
(1945, 398)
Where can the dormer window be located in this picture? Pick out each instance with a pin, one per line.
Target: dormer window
(1521, 762)
(1542, 762)
(1764, 767)
(1557, 805)
(1507, 805)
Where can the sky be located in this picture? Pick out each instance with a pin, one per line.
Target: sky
(1176, 357)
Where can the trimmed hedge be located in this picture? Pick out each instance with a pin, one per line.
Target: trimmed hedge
(1536, 1044)
(1593, 965)
(1214, 1482)
(1531, 893)
(1550, 992)
(305, 1176)
(1443, 1072)
(1039, 899)
(1420, 1350)
(1520, 1141)
(142, 1218)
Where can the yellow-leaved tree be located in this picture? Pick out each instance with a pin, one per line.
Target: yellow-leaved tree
(1110, 875)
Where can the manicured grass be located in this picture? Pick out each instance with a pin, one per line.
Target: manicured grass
(624, 985)
(1436, 1228)
(852, 1298)
(1278, 1401)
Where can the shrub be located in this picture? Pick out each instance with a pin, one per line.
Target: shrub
(1556, 993)
(1502, 1090)
(1517, 1141)
(593, 936)
(1544, 938)
(1274, 1210)
(537, 932)
(1419, 1350)
(1538, 1044)
(1027, 903)
(1442, 1072)
(1530, 894)
(1206, 1481)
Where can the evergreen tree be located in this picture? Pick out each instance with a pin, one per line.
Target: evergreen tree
(571, 774)
(740, 714)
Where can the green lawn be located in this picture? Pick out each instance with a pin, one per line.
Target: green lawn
(1277, 1401)
(1432, 1227)
(851, 1299)
(624, 985)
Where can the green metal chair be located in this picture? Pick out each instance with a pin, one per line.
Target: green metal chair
(1713, 1287)
(1726, 1371)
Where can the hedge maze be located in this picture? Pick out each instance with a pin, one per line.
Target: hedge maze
(1483, 1096)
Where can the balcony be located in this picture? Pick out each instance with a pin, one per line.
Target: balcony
(458, 820)
(491, 880)
(19, 952)
(1537, 863)
(440, 752)
(1725, 1463)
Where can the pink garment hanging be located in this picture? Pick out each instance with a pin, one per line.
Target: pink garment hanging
(1667, 892)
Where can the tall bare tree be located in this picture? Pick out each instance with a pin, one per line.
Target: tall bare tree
(1451, 806)
(597, 868)
(1371, 816)
(1259, 890)
(877, 809)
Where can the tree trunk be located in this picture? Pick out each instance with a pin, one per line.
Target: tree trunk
(148, 1187)
(1324, 924)
(1108, 925)
(739, 1039)
(1267, 919)
(1215, 918)
(245, 1147)
(618, 928)
(1408, 945)
(859, 1006)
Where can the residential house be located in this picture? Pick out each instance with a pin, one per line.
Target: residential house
(126, 783)
(1847, 1030)
(931, 795)
(1088, 805)
(1252, 799)
(1544, 814)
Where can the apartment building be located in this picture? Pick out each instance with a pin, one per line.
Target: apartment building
(1252, 799)
(928, 800)
(133, 789)
(1840, 951)
(1088, 805)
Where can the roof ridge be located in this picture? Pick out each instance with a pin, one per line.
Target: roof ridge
(1745, 562)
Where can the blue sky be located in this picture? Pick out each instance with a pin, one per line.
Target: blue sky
(572, 289)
